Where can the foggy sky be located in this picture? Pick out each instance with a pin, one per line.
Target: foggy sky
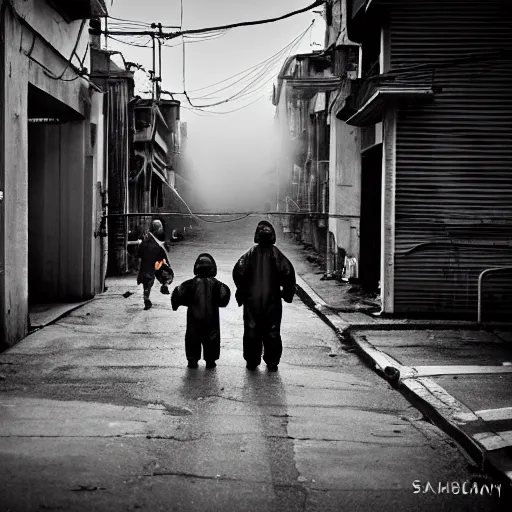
(229, 153)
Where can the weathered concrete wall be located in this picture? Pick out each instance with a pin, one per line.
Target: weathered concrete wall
(345, 185)
(61, 178)
(13, 138)
(53, 28)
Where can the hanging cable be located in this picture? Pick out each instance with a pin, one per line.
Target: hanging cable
(197, 217)
(263, 74)
(252, 23)
(203, 39)
(250, 92)
(133, 22)
(260, 80)
(242, 107)
(274, 60)
(131, 43)
(73, 53)
(174, 35)
(277, 54)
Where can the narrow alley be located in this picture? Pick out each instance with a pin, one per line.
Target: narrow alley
(141, 146)
(99, 412)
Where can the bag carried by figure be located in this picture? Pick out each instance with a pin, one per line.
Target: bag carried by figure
(163, 271)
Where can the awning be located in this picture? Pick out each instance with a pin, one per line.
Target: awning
(315, 84)
(371, 111)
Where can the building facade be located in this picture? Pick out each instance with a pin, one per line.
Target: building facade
(118, 84)
(157, 146)
(343, 247)
(302, 137)
(51, 159)
(143, 155)
(430, 112)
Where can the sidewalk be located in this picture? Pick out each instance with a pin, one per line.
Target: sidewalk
(458, 375)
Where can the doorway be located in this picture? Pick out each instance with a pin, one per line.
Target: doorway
(49, 196)
(43, 213)
(371, 217)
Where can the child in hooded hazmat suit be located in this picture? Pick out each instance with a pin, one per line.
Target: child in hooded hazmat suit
(151, 250)
(202, 295)
(263, 276)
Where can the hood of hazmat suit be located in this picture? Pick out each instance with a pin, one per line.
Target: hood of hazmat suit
(265, 234)
(205, 266)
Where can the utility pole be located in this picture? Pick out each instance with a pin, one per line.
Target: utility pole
(153, 73)
(156, 77)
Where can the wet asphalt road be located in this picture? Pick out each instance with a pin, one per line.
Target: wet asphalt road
(98, 412)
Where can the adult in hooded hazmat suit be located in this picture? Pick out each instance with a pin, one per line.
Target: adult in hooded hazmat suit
(202, 295)
(150, 251)
(263, 276)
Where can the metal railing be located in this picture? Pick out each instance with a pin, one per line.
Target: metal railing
(484, 273)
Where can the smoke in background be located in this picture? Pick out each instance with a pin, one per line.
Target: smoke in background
(231, 159)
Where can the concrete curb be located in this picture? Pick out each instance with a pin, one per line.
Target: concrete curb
(317, 304)
(433, 401)
(411, 326)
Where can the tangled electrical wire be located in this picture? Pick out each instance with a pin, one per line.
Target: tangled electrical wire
(249, 84)
(244, 88)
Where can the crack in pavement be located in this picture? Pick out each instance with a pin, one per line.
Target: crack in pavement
(346, 440)
(301, 487)
(174, 438)
(309, 387)
(126, 435)
(298, 486)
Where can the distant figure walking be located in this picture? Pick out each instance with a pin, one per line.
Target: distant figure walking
(263, 276)
(202, 295)
(154, 260)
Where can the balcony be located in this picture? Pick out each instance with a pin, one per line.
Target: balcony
(371, 95)
(80, 9)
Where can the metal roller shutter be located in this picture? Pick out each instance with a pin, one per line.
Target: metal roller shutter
(453, 159)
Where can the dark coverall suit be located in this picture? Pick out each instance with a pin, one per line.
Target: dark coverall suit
(149, 253)
(263, 276)
(202, 295)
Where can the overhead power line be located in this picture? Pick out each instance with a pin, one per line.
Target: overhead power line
(251, 71)
(258, 78)
(257, 22)
(255, 77)
(147, 45)
(173, 35)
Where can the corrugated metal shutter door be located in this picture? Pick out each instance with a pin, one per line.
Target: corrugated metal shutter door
(454, 159)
